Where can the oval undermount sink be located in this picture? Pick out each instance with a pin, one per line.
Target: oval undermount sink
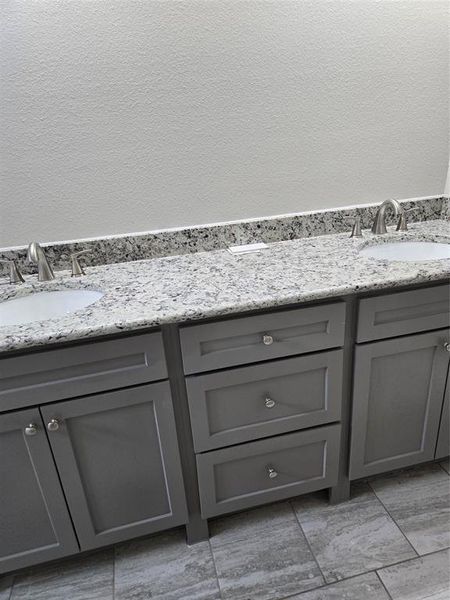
(408, 251)
(41, 306)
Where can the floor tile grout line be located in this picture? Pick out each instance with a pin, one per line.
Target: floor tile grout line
(297, 520)
(382, 583)
(400, 562)
(215, 568)
(393, 520)
(327, 585)
(434, 551)
(395, 564)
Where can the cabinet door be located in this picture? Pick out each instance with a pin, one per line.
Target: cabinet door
(34, 521)
(443, 443)
(397, 402)
(117, 456)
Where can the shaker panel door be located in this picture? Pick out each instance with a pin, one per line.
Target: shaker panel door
(397, 402)
(34, 521)
(118, 458)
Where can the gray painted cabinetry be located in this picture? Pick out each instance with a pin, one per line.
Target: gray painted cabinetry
(118, 460)
(92, 470)
(397, 402)
(34, 521)
(399, 383)
(50, 375)
(248, 403)
(271, 469)
(443, 442)
(260, 406)
(261, 432)
(244, 340)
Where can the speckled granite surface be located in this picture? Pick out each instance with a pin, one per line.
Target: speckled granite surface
(210, 284)
(205, 238)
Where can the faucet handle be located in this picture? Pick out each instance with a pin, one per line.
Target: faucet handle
(77, 269)
(402, 224)
(15, 276)
(356, 227)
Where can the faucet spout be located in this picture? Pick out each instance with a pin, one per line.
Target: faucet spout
(36, 255)
(379, 224)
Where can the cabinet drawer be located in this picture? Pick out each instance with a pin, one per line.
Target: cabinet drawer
(267, 470)
(261, 337)
(80, 370)
(248, 403)
(403, 313)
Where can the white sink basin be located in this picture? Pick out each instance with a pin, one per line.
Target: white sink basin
(45, 305)
(408, 251)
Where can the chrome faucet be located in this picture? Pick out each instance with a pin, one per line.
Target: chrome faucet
(379, 224)
(36, 255)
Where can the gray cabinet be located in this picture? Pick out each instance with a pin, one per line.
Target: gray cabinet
(34, 521)
(410, 312)
(235, 412)
(397, 402)
(84, 369)
(238, 405)
(443, 442)
(118, 459)
(244, 340)
(267, 470)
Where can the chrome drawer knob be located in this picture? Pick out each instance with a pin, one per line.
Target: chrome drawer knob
(269, 403)
(447, 346)
(267, 340)
(31, 429)
(272, 473)
(53, 425)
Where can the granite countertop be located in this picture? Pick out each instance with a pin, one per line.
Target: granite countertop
(148, 293)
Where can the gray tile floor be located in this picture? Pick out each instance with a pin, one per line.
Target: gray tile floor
(389, 542)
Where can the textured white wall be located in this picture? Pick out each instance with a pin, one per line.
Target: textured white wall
(128, 115)
(447, 183)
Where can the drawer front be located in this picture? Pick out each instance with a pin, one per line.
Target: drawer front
(237, 405)
(268, 470)
(252, 339)
(80, 370)
(403, 313)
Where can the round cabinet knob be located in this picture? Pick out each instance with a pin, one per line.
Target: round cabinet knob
(271, 473)
(269, 403)
(31, 429)
(267, 340)
(447, 346)
(53, 425)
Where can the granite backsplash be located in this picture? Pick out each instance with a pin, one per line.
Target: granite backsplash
(168, 242)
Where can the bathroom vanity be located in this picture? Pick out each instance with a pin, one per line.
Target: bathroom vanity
(92, 432)
(111, 435)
